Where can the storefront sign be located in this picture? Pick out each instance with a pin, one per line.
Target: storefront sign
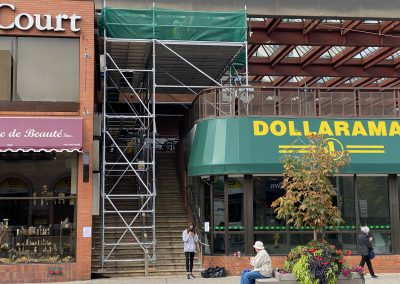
(257, 144)
(26, 21)
(40, 134)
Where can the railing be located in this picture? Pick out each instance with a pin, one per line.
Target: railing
(296, 102)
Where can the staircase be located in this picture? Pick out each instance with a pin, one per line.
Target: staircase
(171, 220)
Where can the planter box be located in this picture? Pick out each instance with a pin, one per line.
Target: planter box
(289, 278)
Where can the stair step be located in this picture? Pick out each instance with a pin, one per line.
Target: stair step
(170, 220)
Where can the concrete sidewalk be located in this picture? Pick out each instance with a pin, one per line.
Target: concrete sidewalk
(384, 278)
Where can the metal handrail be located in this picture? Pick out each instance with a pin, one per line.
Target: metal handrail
(292, 102)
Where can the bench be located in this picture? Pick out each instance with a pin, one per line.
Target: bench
(267, 280)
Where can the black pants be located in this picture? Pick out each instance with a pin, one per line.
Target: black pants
(189, 261)
(365, 259)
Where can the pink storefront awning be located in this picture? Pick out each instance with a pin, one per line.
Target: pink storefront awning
(40, 134)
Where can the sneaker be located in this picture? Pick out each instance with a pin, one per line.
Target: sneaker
(374, 276)
(188, 276)
(191, 275)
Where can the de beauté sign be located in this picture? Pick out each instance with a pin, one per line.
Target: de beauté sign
(26, 21)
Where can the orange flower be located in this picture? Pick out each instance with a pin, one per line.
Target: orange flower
(338, 251)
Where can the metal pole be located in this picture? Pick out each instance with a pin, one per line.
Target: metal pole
(247, 67)
(154, 151)
(103, 167)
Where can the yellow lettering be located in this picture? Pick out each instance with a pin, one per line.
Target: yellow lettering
(358, 129)
(260, 128)
(292, 130)
(377, 130)
(341, 126)
(325, 129)
(282, 128)
(394, 128)
(306, 127)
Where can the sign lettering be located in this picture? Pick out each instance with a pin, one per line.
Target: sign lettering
(25, 21)
(327, 128)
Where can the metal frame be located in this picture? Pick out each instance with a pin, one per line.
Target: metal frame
(142, 118)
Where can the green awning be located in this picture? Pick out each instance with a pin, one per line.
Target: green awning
(163, 24)
(256, 145)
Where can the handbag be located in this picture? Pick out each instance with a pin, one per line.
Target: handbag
(371, 254)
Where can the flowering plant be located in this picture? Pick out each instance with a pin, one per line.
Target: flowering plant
(316, 263)
(346, 272)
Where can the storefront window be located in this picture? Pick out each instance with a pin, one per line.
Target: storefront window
(345, 200)
(219, 217)
(43, 188)
(373, 202)
(343, 241)
(265, 191)
(274, 243)
(39, 69)
(236, 243)
(235, 202)
(299, 239)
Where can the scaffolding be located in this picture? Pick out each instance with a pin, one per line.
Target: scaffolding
(137, 66)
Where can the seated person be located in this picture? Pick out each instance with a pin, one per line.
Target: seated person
(262, 267)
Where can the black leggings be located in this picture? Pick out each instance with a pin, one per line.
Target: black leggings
(189, 261)
(365, 259)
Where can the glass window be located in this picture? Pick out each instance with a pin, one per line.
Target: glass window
(235, 203)
(274, 243)
(265, 191)
(6, 67)
(219, 217)
(236, 243)
(343, 241)
(47, 69)
(381, 241)
(41, 187)
(373, 201)
(345, 200)
(299, 239)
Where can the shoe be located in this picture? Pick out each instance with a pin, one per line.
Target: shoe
(188, 276)
(191, 275)
(374, 276)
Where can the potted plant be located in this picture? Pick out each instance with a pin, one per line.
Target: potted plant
(308, 203)
(319, 263)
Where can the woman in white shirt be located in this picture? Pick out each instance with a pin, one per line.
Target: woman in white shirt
(261, 263)
(190, 240)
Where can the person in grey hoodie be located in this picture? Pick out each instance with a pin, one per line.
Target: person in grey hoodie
(190, 240)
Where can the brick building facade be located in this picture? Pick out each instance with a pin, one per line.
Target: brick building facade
(74, 21)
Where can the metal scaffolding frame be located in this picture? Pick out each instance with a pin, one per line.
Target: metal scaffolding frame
(129, 137)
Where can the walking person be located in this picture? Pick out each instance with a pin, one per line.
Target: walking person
(364, 248)
(262, 267)
(190, 241)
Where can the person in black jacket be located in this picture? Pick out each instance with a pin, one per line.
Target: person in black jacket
(364, 246)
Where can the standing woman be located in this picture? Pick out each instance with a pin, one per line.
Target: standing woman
(190, 240)
(364, 247)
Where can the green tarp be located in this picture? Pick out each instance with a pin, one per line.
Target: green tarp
(256, 145)
(165, 24)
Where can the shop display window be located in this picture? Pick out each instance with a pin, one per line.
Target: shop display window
(39, 69)
(37, 207)
(265, 191)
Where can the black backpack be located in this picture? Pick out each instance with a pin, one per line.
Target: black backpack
(213, 272)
